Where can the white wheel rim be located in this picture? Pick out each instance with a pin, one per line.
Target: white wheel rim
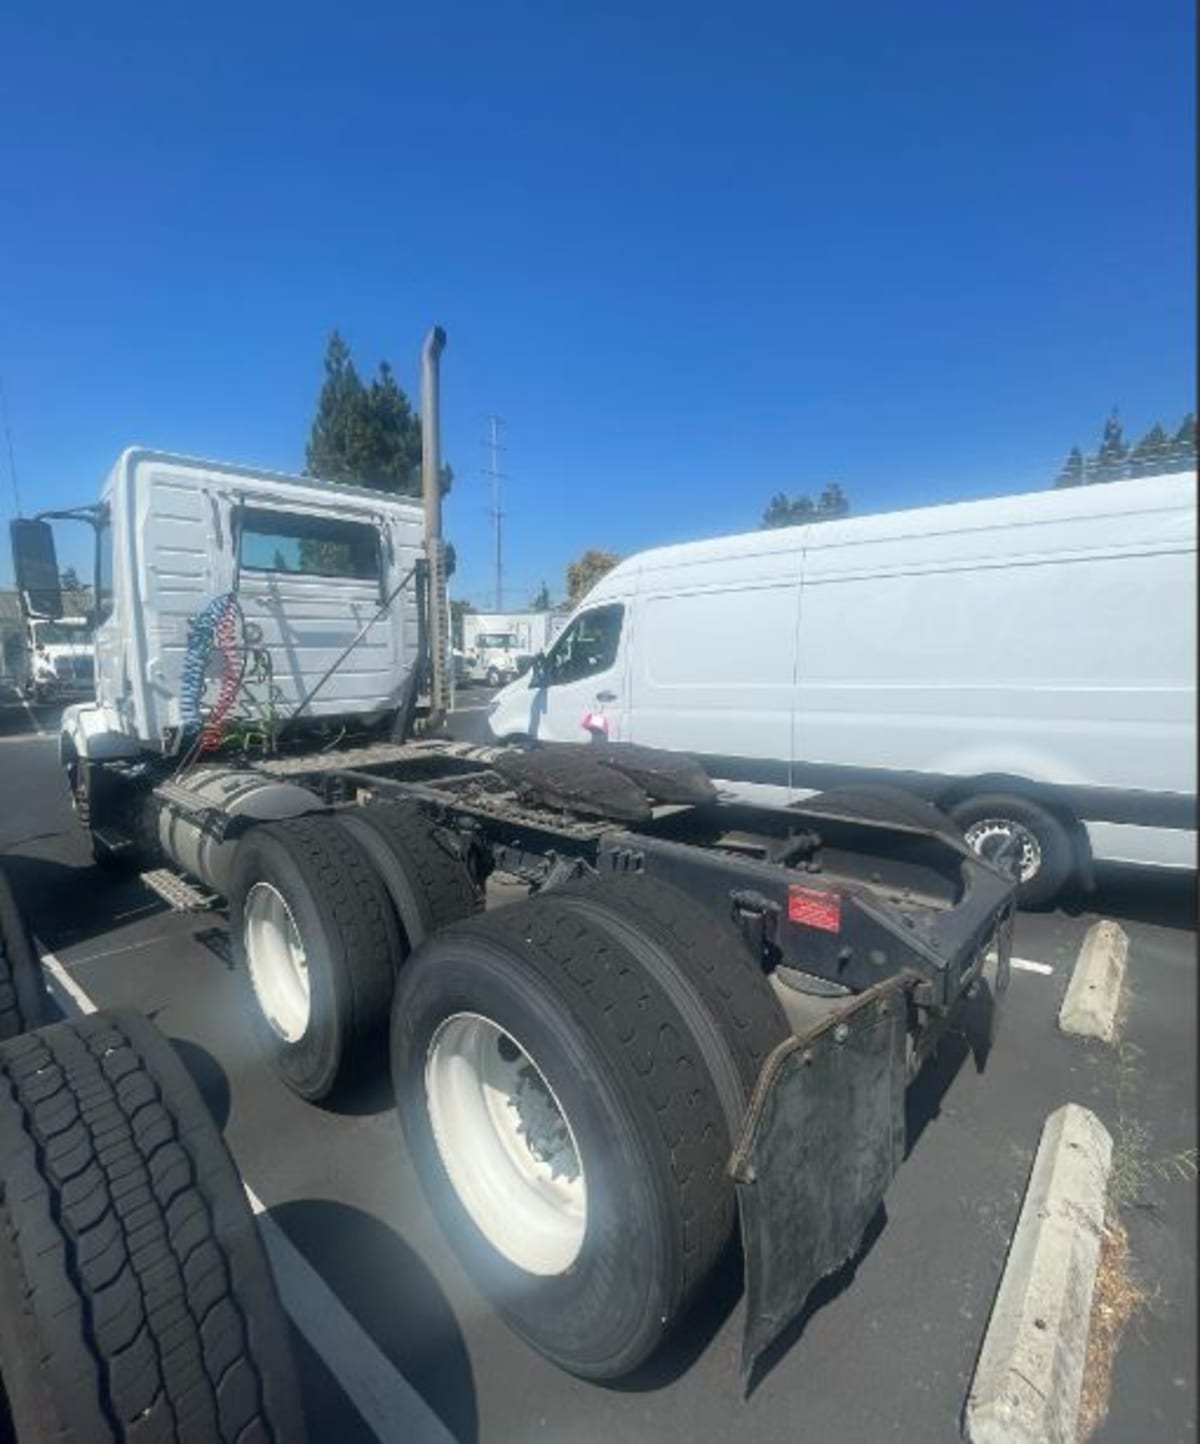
(506, 1144)
(989, 834)
(276, 962)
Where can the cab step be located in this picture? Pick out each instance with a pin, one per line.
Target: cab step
(179, 895)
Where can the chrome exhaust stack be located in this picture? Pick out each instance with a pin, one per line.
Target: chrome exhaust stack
(431, 491)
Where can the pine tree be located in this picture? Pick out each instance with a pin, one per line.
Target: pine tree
(540, 601)
(1072, 469)
(832, 503)
(1182, 448)
(783, 510)
(369, 436)
(1112, 458)
(1151, 456)
(337, 442)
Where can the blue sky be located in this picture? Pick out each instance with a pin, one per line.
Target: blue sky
(693, 254)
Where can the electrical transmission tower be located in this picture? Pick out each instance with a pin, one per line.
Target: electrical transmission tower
(12, 460)
(495, 476)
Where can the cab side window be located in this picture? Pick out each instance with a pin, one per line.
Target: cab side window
(104, 571)
(587, 647)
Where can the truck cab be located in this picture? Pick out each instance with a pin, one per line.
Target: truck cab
(60, 660)
(182, 544)
(495, 658)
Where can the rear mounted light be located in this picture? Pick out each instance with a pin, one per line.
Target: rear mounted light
(815, 909)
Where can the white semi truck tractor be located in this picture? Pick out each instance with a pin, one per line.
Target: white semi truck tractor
(704, 1015)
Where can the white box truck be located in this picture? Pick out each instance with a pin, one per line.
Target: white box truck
(58, 658)
(1027, 663)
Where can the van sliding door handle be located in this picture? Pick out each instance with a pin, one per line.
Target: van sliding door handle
(606, 696)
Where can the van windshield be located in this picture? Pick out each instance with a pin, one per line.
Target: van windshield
(496, 639)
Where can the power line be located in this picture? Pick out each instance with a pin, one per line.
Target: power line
(496, 515)
(12, 460)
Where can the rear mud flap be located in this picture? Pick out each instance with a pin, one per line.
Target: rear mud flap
(823, 1136)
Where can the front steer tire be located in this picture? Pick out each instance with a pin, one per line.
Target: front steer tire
(350, 940)
(136, 1302)
(630, 1078)
(22, 996)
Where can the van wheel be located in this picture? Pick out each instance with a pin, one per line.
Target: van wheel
(22, 997)
(566, 1129)
(315, 939)
(1044, 852)
(136, 1301)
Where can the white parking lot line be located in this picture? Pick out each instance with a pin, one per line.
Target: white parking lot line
(68, 991)
(387, 1402)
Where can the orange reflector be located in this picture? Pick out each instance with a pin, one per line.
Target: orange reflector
(815, 909)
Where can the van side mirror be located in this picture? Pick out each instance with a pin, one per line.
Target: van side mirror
(537, 671)
(35, 566)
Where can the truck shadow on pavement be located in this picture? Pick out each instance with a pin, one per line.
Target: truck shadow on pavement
(394, 1298)
(65, 905)
(1162, 897)
(208, 1076)
(922, 1104)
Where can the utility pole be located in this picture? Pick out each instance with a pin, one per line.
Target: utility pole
(495, 476)
(12, 460)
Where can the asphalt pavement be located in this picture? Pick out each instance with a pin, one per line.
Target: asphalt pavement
(886, 1348)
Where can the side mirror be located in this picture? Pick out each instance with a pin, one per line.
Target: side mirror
(537, 671)
(35, 566)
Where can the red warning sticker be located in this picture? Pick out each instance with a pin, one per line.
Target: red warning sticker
(815, 909)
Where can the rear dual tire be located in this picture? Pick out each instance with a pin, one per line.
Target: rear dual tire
(323, 912)
(623, 1096)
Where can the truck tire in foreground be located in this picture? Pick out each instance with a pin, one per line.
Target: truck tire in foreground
(22, 997)
(136, 1301)
(559, 1102)
(315, 938)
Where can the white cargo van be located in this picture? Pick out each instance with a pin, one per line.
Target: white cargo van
(1027, 663)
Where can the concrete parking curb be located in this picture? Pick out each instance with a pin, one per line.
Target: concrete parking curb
(1030, 1370)
(1089, 1009)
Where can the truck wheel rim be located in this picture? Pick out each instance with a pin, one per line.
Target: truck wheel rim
(506, 1144)
(989, 834)
(277, 962)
